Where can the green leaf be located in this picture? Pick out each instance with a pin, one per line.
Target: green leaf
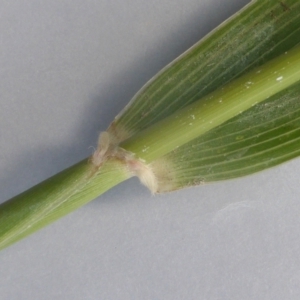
(261, 31)
(261, 137)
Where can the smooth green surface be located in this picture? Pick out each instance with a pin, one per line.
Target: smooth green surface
(56, 197)
(261, 31)
(216, 108)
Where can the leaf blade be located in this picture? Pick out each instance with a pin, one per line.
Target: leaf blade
(261, 31)
(261, 26)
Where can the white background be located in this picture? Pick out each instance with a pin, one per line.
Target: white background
(67, 67)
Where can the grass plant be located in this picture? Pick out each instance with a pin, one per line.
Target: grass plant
(227, 107)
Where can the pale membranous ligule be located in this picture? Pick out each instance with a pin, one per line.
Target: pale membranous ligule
(108, 148)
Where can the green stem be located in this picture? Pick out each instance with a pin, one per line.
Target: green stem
(216, 108)
(56, 197)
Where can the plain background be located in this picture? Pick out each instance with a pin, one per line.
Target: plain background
(67, 67)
